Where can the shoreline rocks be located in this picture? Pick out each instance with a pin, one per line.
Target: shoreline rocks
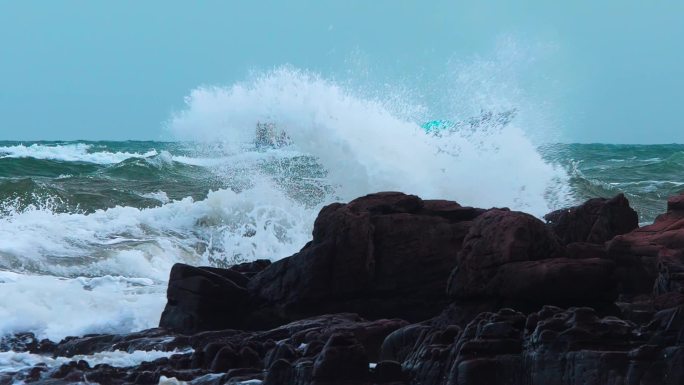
(394, 289)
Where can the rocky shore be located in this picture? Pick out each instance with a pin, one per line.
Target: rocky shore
(394, 289)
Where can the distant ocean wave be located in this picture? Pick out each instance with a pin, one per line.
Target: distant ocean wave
(74, 152)
(646, 174)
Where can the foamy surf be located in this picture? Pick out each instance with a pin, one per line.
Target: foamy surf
(107, 271)
(78, 152)
(54, 308)
(366, 146)
(95, 154)
(12, 361)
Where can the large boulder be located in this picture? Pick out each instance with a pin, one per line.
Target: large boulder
(595, 221)
(342, 358)
(382, 255)
(513, 256)
(552, 346)
(657, 250)
(206, 298)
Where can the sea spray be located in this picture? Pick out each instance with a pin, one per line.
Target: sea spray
(365, 147)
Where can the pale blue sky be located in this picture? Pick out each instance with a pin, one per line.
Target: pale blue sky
(117, 70)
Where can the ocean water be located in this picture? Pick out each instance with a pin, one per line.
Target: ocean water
(89, 230)
(646, 174)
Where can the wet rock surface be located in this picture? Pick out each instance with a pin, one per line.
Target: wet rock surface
(515, 257)
(398, 290)
(596, 221)
(383, 255)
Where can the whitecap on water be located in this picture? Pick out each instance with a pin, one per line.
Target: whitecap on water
(76, 152)
(13, 361)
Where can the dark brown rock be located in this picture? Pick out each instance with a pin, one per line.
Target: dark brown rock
(389, 371)
(250, 269)
(226, 358)
(658, 250)
(342, 358)
(514, 257)
(552, 346)
(382, 255)
(282, 351)
(595, 221)
(675, 203)
(280, 372)
(204, 298)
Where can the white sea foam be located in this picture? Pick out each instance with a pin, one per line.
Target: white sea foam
(76, 152)
(207, 378)
(55, 308)
(366, 147)
(260, 222)
(13, 361)
(159, 195)
(127, 254)
(87, 153)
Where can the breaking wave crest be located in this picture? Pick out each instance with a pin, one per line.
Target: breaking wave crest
(365, 145)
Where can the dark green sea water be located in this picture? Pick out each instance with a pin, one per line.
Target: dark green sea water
(646, 174)
(87, 176)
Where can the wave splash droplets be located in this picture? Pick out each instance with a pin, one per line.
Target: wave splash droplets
(367, 145)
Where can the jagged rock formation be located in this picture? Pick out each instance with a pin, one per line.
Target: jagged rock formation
(398, 290)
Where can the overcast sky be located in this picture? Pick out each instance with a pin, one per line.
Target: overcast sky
(118, 69)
